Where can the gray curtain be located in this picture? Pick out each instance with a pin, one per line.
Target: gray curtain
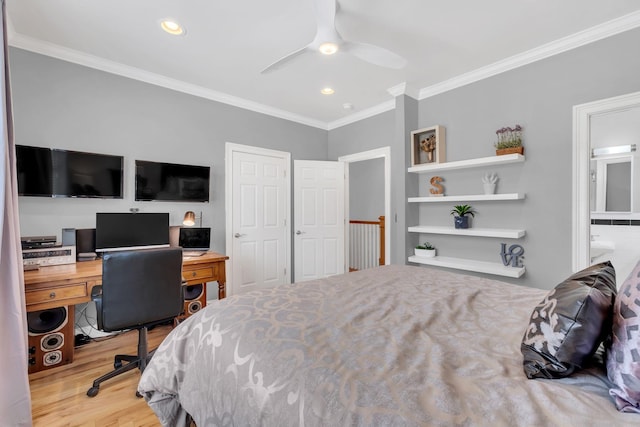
(15, 399)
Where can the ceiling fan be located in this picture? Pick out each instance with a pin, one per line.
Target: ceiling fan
(328, 41)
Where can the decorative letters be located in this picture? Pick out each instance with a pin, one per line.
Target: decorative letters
(439, 189)
(513, 257)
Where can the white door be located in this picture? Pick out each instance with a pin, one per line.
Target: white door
(318, 197)
(258, 221)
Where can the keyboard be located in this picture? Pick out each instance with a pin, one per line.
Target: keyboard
(193, 253)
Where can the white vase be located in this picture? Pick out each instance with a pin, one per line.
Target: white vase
(489, 188)
(425, 253)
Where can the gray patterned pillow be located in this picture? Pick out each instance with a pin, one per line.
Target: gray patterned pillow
(623, 358)
(569, 324)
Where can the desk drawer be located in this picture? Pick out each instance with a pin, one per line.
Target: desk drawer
(198, 274)
(57, 294)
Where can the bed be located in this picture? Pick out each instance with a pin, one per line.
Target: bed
(389, 346)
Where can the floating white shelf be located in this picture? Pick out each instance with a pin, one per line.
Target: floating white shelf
(478, 232)
(470, 265)
(470, 198)
(471, 163)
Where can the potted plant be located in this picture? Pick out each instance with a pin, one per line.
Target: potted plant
(425, 250)
(509, 141)
(460, 212)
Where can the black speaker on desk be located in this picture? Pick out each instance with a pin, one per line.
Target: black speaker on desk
(50, 338)
(86, 244)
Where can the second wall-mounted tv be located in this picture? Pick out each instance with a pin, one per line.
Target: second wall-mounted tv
(171, 182)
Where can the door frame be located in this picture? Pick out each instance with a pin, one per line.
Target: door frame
(580, 244)
(385, 153)
(230, 149)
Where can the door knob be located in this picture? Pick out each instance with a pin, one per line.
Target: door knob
(238, 235)
(299, 232)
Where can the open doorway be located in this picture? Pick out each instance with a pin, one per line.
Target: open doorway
(367, 206)
(604, 135)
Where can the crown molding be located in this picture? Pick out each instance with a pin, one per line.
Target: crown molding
(598, 32)
(590, 35)
(404, 89)
(364, 114)
(80, 58)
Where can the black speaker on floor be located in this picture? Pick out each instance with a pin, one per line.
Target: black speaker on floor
(50, 338)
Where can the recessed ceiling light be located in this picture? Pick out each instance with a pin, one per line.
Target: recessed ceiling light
(328, 48)
(172, 27)
(327, 91)
(347, 106)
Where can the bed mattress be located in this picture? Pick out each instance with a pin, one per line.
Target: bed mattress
(389, 346)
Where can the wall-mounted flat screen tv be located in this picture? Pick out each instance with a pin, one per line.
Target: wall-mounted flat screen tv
(124, 230)
(49, 172)
(171, 182)
(35, 177)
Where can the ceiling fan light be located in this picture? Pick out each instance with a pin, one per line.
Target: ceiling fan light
(172, 27)
(328, 48)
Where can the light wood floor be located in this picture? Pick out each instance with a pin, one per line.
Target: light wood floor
(59, 395)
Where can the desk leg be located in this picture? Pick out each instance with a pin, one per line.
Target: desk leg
(222, 289)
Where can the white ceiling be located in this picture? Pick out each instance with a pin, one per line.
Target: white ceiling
(228, 43)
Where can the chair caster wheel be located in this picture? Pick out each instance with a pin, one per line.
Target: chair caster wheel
(93, 391)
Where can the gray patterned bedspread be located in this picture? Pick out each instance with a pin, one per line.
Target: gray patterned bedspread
(390, 346)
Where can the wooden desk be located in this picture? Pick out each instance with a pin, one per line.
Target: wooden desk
(58, 285)
(66, 285)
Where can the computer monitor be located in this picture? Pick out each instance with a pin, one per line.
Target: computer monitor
(117, 231)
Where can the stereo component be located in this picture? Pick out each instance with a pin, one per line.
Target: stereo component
(43, 257)
(31, 242)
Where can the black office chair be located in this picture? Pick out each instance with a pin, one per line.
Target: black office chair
(140, 289)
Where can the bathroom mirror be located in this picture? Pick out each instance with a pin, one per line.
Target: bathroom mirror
(612, 184)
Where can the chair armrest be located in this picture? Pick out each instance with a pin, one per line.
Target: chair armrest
(96, 296)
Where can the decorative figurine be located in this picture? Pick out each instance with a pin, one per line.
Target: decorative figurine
(439, 189)
(489, 183)
(428, 145)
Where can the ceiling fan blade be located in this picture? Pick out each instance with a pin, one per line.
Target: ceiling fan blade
(325, 16)
(277, 64)
(376, 55)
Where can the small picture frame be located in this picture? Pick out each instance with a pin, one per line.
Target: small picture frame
(428, 146)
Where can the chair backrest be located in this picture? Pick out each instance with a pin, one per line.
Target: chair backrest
(141, 287)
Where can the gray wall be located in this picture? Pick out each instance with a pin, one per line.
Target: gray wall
(364, 135)
(374, 132)
(366, 178)
(63, 105)
(540, 97)
(366, 189)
